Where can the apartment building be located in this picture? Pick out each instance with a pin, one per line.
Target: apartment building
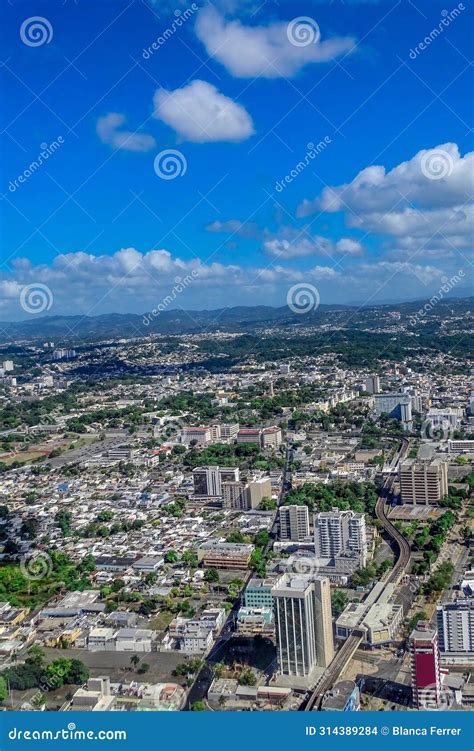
(372, 384)
(294, 522)
(340, 534)
(235, 495)
(455, 621)
(271, 437)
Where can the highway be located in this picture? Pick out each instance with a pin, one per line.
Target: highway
(353, 642)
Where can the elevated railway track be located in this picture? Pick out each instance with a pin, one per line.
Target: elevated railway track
(353, 642)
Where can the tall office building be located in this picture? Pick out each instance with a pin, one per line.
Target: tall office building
(372, 384)
(423, 482)
(208, 480)
(425, 667)
(340, 534)
(294, 522)
(303, 622)
(455, 622)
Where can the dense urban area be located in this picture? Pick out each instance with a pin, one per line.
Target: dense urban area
(267, 518)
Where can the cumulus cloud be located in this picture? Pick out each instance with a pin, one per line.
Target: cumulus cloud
(250, 51)
(130, 280)
(107, 129)
(198, 112)
(415, 182)
(301, 246)
(457, 220)
(422, 205)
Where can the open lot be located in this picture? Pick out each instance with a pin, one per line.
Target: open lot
(117, 664)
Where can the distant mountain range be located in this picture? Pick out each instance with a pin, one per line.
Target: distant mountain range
(64, 329)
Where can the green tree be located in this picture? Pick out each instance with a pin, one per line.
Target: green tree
(198, 706)
(171, 556)
(211, 575)
(190, 558)
(3, 688)
(339, 600)
(35, 655)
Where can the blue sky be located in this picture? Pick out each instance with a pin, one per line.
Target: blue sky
(238, 89)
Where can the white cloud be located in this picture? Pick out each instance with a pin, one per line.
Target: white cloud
(348, 247)
(374, 189)
(107, 129)
(130, 280)
(458, 220)
(251, 51)
(421, 206)
(200, 113)
(385, 270)
(301, 246)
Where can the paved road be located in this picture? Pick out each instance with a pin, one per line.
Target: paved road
(205, 676)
